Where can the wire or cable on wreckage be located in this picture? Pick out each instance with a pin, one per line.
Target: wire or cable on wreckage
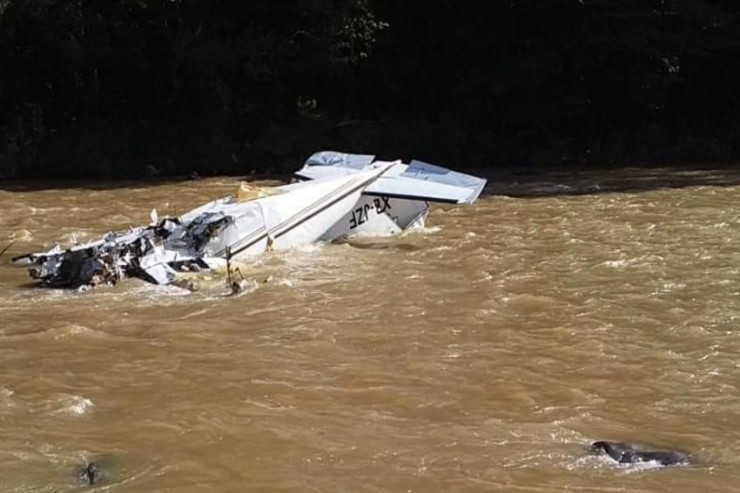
(7, 247)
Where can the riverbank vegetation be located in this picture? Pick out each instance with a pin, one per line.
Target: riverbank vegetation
(113, 89)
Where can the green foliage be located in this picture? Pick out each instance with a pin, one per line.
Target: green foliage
(99, 88)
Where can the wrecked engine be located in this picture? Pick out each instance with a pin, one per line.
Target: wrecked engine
(139, 252)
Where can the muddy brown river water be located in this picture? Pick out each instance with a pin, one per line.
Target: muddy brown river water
(482, 354)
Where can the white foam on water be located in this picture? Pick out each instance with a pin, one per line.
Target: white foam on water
(75, 405)
(6, 398)
(668, 287)
(618, 264)
(639, 467)
(71, 331)
(21, 235)
(307, 248)
(426, 230)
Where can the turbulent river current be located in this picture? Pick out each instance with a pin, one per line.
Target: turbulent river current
(483, 353)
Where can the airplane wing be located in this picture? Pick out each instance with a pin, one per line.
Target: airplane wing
(416, 181)
(333, 164)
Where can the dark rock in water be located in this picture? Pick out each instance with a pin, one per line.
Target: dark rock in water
(625, 453)
(97, 470)
(89, 473)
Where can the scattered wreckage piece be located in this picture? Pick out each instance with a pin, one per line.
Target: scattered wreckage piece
(135, 253)
(337, 195)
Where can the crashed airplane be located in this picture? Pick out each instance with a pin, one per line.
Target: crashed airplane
(336, 195)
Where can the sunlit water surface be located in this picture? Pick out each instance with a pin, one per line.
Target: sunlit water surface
(482, 354)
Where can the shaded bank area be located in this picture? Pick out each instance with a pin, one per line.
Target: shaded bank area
(162, 88)
(523, 182)
(590, 180)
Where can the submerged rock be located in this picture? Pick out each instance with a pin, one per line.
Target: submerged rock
(89, 473)
(625, 453)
